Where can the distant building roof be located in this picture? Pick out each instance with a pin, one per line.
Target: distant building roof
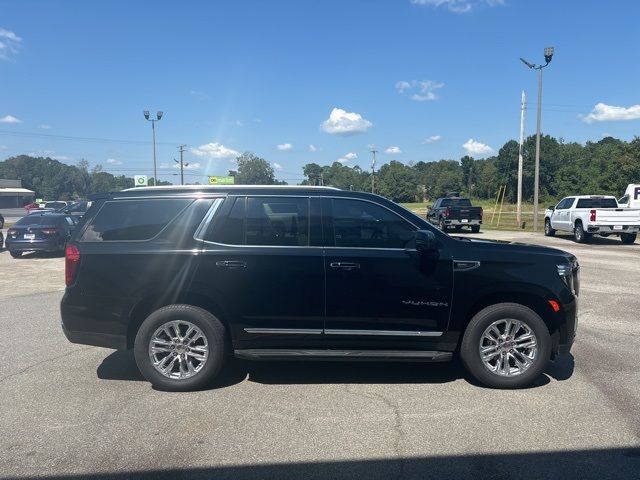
(6, 183)
(15, 191)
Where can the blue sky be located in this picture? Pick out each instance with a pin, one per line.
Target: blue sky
(276, 77)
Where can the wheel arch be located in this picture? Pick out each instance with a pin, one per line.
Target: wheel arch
(153, 302)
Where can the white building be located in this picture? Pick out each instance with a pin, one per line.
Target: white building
(12, 195)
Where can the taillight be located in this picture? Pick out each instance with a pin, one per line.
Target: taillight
(49, 231)
(592, 216)
(71, 262)
(12, 233)
(447, 212)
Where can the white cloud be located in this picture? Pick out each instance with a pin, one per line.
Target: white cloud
(61, 158)
(238, 123)
(284, 146)
(44, 126)
(458, 6)
(393, 150)
(348, 157)
(476, 148)
(432, 138)
(604, 113)
(10, 119)
(113, 161)
(214, 150)
(200, 95)
(49, 154)
(9, 44)
(424, 90)
(4, 147)
(277, 166)
(341, 122)
(313, 148)
(606, 134)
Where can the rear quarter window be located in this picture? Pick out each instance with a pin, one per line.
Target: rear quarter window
(129, 220)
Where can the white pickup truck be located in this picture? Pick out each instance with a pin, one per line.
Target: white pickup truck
(588, 215)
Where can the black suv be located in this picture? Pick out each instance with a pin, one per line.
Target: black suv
(187, 276)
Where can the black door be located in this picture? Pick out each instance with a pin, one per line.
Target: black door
(259, 265)
(379, 288)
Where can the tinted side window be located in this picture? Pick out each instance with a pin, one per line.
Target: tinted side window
(230, 231)
(132, 219)
(597, 203)
(364, 224)
(277, 221)
(446, 202)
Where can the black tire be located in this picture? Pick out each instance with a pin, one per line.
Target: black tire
(212, 329)
(442, 225)
(470, 347)
(628, 238)
(548, 231)
(475, 228)
(15, 254)
(580, 235)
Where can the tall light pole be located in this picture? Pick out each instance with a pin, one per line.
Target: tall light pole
(523, 102)
(373, 169)
(548, 55)
(153, 128)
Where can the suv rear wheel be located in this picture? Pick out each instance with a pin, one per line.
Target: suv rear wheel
(180, 347)
(506, 345)
(628, 238)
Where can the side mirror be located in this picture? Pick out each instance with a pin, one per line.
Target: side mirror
(425, 241)
(552, 207)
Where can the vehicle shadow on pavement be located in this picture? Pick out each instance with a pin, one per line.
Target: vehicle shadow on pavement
(121, 365)
(595, 240)
(584, 464)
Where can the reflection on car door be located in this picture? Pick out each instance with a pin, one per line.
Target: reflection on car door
(378, 287)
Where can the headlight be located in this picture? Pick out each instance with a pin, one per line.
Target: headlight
(569, 273)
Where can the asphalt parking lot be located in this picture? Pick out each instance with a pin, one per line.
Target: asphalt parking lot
(78, 411)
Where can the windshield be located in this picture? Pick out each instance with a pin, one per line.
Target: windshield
(597, 203)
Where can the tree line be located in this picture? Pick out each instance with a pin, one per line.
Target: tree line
(603, 167)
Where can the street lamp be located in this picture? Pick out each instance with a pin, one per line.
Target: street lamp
(548, 55)
(153, 128)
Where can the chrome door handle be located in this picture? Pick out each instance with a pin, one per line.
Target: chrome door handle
(345, 265)
(231, 264)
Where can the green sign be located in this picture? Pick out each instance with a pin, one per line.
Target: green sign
(140, 180)
(39, 200)
(221, 180)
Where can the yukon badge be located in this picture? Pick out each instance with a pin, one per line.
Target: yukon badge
(420, 303)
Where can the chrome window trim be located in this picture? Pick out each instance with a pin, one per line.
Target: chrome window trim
(315, 246)
(286, 331)
(389, 333)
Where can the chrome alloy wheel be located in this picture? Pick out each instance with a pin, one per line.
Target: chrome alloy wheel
(178, 349)
(508, 347)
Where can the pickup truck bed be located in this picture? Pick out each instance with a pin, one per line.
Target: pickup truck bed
(455, 212)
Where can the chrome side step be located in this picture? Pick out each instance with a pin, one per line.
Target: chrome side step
(368, 355)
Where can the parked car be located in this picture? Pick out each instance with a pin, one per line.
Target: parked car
(76, 209)
(31, 206)
(455, 212)
(588, 215)
(1, 221)
(57, 205)
(48, 232)
(631, 197)
(187, 276)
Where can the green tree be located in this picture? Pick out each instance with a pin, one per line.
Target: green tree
(253, 170)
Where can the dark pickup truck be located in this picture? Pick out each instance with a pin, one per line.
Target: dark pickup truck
(455, 212)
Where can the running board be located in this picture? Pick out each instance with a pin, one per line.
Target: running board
(366, 355)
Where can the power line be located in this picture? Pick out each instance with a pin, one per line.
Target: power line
(8, 133)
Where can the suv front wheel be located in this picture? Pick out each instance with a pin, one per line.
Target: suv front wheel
(180, 347)
(506, 345)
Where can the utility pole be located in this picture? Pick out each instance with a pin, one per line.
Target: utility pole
(548, 55)
(182, 164)
(373, 169)
(520, 159)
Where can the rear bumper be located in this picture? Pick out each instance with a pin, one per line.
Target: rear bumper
(105, 340)
(610, 229)
(459, 222)
(32, 245)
